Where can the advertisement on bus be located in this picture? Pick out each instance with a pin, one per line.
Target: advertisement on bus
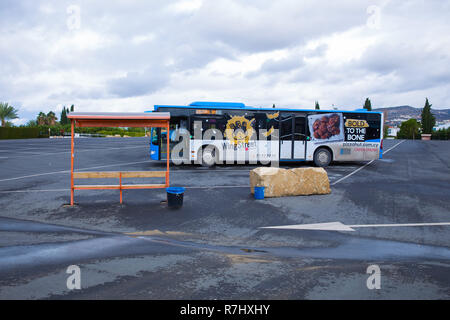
(326, 127)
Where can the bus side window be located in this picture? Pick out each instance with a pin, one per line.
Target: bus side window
(286, 127)
(299, 131)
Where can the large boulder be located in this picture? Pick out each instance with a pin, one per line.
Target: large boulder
(280, 182)
(311, 181)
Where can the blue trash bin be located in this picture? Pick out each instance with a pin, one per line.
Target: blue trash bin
(259, 193)
(175, 197)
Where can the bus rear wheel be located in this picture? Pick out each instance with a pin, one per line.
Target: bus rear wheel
(322, 157)
(209, 156)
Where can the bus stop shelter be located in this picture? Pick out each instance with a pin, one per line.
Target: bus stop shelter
(94, 119)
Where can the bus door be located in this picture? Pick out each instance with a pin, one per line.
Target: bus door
(292, 136)
(177, 126)
(154, 144)
(210, 126)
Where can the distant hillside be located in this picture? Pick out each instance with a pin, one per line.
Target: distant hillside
(396, 115)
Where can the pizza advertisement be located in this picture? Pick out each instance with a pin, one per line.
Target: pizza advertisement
(326, 127)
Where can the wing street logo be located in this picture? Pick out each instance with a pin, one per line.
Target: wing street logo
(228, 309)
(355, 130)
(239, 130)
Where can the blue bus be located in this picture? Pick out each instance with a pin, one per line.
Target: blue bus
(228, 132)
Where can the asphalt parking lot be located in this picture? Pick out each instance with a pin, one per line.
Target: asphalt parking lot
(213, 247)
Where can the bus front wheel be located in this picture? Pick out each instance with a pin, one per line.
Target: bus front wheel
(322, 157)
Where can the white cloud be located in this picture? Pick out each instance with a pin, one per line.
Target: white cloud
(47, 8)
(79, 41)
(348, 46)
(185, 6)
(130, 55)
(139, 39)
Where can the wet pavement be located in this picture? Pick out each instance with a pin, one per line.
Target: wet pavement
(213, 247)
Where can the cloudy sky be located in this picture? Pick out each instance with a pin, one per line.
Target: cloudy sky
(128, 55)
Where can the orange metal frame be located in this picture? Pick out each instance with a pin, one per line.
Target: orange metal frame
(115, 121)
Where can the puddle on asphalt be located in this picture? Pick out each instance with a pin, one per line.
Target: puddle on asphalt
(10, 224)
(253, 250)
(387, 160)
(109, 245)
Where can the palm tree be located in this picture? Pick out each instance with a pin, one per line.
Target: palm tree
(7, 112)
(51, 118)
(41, 119)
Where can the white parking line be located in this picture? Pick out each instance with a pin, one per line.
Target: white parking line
(68, 171)
(35, 190)
(211, 171)
(339, 226)
(67, 190)
(352, 173)
(31, 153)
(173, 171)
(119, 164)
(58, 147)
(384, 152)
(360, 168)
(218, 187)
(34, 175)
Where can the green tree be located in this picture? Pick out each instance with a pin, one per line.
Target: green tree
(368, 105)
(385, 126)
(7, 112)
(317, 107)
(72, 107)
(31, 123)
(41, 119)
(441, 134)
(428, 120)
(48, 119)
(409, 129)
(51, 118)
(63, 119)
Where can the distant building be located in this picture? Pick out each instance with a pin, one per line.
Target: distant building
(441, 126)
(392, 131)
